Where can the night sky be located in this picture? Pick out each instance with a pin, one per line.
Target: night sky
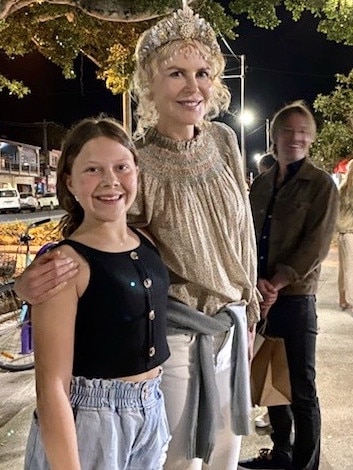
(292, 62)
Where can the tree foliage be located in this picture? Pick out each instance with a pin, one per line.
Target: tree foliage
(335, 16)
(14, 87)
(106, 32)
(335, 138)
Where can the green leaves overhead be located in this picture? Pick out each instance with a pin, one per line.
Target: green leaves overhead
(335, 16)
(14, 87)
(335, 138)
(61, 34)
(262, 13)
(106, 32)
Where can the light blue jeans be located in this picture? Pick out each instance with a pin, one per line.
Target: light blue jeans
(120, 426)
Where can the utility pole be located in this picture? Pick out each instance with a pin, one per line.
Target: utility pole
(47, 171)
(241, 76)
(267, 135)
(242, 110)
(127, 118)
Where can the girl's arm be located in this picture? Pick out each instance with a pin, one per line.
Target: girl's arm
(54, 326)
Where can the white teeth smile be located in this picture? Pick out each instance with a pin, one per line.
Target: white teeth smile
(109, 198)
(190, 104)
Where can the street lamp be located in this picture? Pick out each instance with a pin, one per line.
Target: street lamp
(246, 117)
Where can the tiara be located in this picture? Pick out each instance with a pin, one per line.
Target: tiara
(182, 25)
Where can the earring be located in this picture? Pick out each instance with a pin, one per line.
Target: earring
(76, 198)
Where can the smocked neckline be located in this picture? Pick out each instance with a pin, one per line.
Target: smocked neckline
(155, 138)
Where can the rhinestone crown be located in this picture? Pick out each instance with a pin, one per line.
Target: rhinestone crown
(184, 25)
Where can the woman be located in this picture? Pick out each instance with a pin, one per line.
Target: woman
(345, 241)
(194, 203)
(98, 351)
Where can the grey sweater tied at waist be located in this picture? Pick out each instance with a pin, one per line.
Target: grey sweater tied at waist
(205, 407)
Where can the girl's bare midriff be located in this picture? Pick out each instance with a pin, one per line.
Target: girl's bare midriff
(150, 374)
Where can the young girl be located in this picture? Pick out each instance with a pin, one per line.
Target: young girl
(100, 342)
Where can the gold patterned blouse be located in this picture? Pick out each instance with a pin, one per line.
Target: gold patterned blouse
(193, 201)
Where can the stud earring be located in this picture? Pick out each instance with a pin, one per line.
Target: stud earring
(76, 198)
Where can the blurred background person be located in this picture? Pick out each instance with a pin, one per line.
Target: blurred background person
(265, 162)
(345, 241)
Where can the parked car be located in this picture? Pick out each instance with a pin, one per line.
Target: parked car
(28, 202)
(9, 200)
(48, 201)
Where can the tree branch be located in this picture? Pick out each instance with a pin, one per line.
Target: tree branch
(109, 10)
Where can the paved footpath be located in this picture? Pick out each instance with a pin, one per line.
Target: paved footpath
(334, 379)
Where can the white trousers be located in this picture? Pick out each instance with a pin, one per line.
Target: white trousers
(345, 275)
(177, 371)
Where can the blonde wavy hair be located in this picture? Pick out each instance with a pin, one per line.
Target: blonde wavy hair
(146, 113)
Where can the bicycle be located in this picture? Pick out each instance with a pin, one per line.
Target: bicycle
(16, 344)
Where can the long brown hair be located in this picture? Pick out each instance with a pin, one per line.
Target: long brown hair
(77, 137)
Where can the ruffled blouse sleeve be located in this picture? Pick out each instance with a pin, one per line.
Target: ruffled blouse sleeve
(234, 159)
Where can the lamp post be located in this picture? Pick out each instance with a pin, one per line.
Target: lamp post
(242, 110)
(267, 135)
(241, 76)
(127, 115)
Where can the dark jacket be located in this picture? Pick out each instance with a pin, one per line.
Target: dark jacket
(303, 221)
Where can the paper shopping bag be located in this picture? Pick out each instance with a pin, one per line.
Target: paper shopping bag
(270, 382)
(259, 338)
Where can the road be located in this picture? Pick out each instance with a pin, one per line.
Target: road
(32, 216)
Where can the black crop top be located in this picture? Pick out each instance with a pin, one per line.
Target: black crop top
(121, 317)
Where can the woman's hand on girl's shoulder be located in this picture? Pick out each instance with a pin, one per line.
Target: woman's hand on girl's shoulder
(47, 275)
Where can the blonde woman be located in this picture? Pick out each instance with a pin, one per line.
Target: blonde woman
(193, 201)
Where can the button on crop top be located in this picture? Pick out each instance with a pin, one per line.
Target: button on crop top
(120, 325)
